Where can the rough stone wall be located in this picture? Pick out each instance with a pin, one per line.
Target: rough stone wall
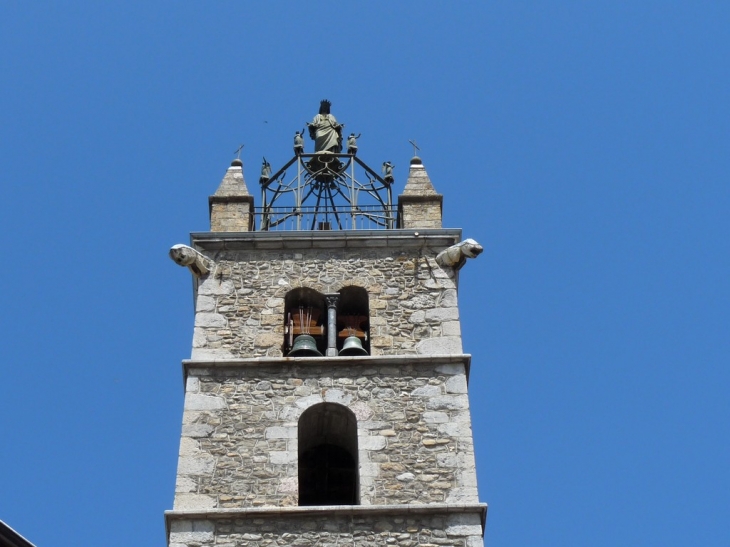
(240, 305)
(239, 438)
(234, 216)
(449, 530)
(420, 214)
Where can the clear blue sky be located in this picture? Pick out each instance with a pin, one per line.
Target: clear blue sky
(584, 144)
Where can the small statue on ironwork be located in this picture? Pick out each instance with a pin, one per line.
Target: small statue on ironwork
(265, 172)
(388, 172)
(325, 131)
(299, 142)
(352, 143)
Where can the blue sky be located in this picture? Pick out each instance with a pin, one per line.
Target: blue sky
(584, 144)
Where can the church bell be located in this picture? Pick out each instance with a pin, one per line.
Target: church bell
(352, 346)
(304, 346)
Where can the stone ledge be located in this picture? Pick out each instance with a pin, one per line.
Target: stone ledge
(230, 199)
(420, 198)
(333, 510)
(317, 239)
(380, 360)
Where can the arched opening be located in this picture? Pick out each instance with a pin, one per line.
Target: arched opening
(304, 314)
(328, 466)
(353, 316)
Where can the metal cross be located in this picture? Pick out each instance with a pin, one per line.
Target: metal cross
(238, 152)
(415, 147)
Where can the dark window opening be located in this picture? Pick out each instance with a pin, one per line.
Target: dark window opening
(328, 466)
(304, 314)
(353, 317)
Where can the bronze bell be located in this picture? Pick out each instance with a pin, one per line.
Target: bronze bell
(352, 346)
(304, 346)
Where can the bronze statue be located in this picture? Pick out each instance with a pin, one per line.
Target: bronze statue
(388, 172)
(265, 172)
(352, 143)
(298, 143)
(325, 131)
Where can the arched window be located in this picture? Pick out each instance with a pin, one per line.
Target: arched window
(353, 317)
(304, 314)
(328, 467)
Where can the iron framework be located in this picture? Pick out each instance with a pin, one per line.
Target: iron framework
(328, 191)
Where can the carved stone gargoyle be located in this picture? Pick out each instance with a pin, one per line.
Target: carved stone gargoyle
(456, 255)
(183, 255)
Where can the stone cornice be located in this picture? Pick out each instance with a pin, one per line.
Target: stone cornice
(330, 510)
(415, 198)
(364, 361)
(319, 239)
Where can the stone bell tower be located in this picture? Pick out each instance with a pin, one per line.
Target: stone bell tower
(326, 395)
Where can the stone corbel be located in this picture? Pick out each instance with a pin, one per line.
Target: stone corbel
(183, 255)
(456, 255)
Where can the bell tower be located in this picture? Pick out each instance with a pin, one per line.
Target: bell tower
(326, 395)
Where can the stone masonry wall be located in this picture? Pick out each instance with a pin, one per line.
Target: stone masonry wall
(231, 216)
(360, 530)
(421, 214)
(239, 438)
(240, 304)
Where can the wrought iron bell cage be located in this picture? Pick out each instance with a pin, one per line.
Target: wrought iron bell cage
(328, 191)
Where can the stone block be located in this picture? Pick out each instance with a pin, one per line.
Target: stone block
(451, 369)
(277, 432)
(186, 531)
(372, 442)
(268, 339)
(306, 402)
(468, 478)
(462, 495)
(275, 303)
(442, 314)
(201, 464)
(456, 384)
(205, 304)
(449, 299)
(362, 411)
(283, 457)
(446, 345)
(464, 530)
(417, 317)
(185, 485)
(205, 354)
(192, 384)
(431, 417)
(453, 429)
(382, 341)
(448, 402)
(451, 328)
(289, 485)
(188, 446)
(214, 286)
(197, 430)
(337, 396)
(369, 469)
(426, 391)
(200, 338)
(198, 401)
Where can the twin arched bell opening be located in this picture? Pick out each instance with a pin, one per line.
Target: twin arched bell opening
(352, 347)
(304, 346)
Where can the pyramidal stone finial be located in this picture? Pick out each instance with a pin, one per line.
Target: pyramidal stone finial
(419, 204)
(418, 183)
(233, 183)
(231, 207)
